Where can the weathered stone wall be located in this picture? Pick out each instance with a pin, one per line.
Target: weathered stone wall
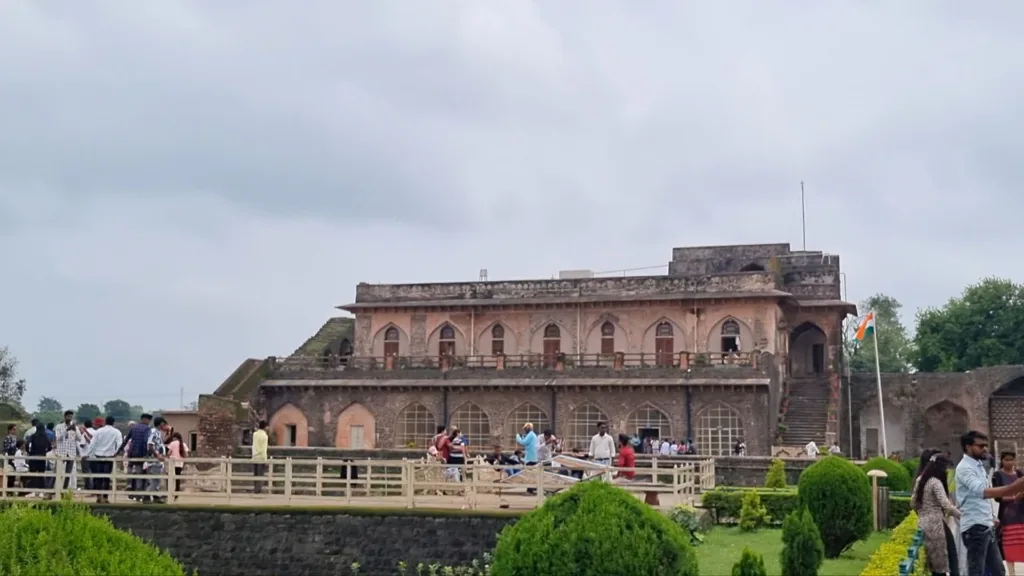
(221, 421)
(229, 541)
(549, 289)
(935, 407)
(323, 406)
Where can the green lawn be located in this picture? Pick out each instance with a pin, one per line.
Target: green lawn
(722, 547)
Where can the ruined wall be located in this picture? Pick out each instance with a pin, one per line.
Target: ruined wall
(934, 407)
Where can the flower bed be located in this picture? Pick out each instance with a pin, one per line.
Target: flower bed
(902, 554)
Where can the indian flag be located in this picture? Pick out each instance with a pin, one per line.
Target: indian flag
(867, 326)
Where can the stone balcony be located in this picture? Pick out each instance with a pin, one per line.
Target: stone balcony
(618, 365)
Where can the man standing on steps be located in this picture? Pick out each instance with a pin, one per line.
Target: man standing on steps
(260, 441)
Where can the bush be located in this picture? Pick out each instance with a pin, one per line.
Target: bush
(911, 467)
(886, 560)
(753, 515)
(776, 477)
(67, 539)
(802, 549)
(837, 494)
(594, 528)
(686, 517)
(750, 564)
(898, 479)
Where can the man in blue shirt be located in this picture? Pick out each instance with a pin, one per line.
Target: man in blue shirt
(973, 495)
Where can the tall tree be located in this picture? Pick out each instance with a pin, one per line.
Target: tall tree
(120, 410)
(87, 412)
(12, 388)
(895, 348)
(983, 327)
(47, 404)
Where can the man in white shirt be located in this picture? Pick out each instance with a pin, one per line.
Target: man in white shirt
(602, 447)
(105, 444)
(666, 448)
(811, 449)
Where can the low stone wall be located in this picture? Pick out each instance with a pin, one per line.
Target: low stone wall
(292, 541)
(729, 471)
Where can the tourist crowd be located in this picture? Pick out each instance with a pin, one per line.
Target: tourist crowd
(92, 448)
(972, 531)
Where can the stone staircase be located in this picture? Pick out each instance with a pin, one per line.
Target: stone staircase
(807, 416)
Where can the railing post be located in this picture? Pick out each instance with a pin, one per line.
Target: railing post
(369, 472)
(171, 481)
(475, 486)
(540, 484)
(408, 482)
(7, 472)
(58, 483)
(230, 474)
(270, 476)
(288, 479)
(319, 478)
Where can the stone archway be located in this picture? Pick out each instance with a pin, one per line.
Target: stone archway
(944, 423)
(357, 428)
(808, 350)
(289, 427)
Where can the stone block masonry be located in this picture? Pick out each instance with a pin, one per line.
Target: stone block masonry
(229, 541)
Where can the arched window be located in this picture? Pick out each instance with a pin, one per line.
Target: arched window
(730, 336)
(718, 428)
(520, 416)
(497, 340)
(446, 342)
(649, 422)
(584, 425)
(608, 338)
(474, 424)
(664, 344)
(344, 351)
(414, 427)
(552, 344)
(391, 342)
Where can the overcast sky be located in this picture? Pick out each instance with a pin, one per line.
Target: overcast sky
(187, 184)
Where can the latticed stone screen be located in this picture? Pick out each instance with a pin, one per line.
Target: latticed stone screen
(648, 417)
(415, 427)
(474, 424)
(718, 428)
(584, 425)
(521, 415)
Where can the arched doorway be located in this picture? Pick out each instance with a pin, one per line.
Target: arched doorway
(1006, 417)
(807, 350)
(289, 427)
(357, 428)
(944, 423)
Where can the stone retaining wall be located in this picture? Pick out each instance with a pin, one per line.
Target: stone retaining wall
(228, 541)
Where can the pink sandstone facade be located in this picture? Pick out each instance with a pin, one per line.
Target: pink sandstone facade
(733, 342)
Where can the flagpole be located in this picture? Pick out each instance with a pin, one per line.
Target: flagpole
(878, 375)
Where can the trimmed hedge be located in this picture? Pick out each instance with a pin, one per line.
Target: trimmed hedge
(594, 528)
(838, 495)
(727, 504)
(68, 539)
(886, 560)
(898, 479)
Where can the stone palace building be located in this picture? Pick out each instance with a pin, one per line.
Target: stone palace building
(733, 342)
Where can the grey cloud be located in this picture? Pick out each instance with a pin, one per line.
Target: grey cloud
(216, 175)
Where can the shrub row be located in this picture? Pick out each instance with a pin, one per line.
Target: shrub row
(727, 504)
(886, 560)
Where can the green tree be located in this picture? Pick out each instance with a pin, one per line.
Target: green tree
(12, 388)
(895, 347)
(47, 404)
(750, 564)
(87, 412)
(983, 327)
(803, 551)
(120, 410)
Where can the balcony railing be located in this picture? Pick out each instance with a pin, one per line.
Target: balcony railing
(618, 361)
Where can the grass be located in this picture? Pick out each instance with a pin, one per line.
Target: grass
(722, 547)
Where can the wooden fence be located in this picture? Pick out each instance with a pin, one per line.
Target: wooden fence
(305, 481)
